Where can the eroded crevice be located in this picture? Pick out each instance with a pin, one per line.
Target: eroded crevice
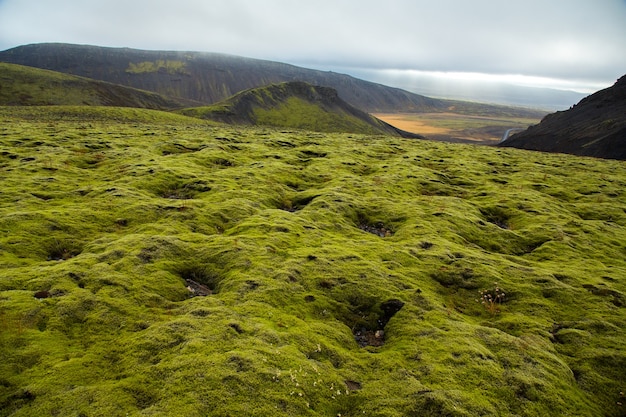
(373, 333)
(378, 228)
(200, 279)
(62, 250)
(295, 204)
(497, 216)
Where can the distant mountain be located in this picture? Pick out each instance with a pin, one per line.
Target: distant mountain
(210, 77)
(509, 95)
(482, 91)
(295, 105)
(596, 126)
(25, 86)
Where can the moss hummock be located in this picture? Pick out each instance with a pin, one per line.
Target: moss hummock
(340, 274)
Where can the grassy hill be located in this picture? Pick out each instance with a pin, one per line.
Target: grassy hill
(594, 127)
(210, 77)
(295, 105)
(153, 264)
(21, 85)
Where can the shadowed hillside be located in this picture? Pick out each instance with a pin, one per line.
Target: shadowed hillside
(211, 77)
(295, 105)
(27, 86)
(594, 127)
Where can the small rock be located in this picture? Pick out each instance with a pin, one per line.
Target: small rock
(197, 289)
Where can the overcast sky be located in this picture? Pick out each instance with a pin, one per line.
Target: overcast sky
(575, 44)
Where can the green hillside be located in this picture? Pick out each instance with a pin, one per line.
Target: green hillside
(209, 78)
(21, 85)
(153, 264)
(295, 105)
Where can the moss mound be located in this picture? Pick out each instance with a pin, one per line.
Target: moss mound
(153, 266)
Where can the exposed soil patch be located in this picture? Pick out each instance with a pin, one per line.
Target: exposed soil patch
(366, 337)
(353, 385)
(196, 289)
(200, 279)
(378, 229)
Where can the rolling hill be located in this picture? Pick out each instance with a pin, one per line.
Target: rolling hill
(210, 77)
(596, 126)
(295, 105)
(27, 86)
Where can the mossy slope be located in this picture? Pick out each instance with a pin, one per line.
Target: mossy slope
(295, 105)
(26, 86)
(306, 242)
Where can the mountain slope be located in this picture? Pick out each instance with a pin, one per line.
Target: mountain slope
(295, 105)
(594, 127)
(22, 85)
(211, 77)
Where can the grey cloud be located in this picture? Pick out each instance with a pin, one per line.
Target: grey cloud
(558, 38)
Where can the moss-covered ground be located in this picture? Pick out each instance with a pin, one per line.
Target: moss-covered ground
(155, 265)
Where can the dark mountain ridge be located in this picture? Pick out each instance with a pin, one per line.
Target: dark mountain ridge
(298, 105)
(596, 126)
(211, 77)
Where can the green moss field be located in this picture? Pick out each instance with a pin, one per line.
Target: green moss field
(153, 264)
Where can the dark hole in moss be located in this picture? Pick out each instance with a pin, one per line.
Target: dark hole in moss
(62, 250)
(296, 204)
(177, 193)
(43, 196)
(313, 154)
(236, 327)
(377, 228)
(42, 294)
(222, 162)
(426, 245)
(373, 333)
(326, 284)
(389, 309)
(353, 385)
(497, 215)
(200, 279)
(617, 298)
(76, 277)
(309, 298)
